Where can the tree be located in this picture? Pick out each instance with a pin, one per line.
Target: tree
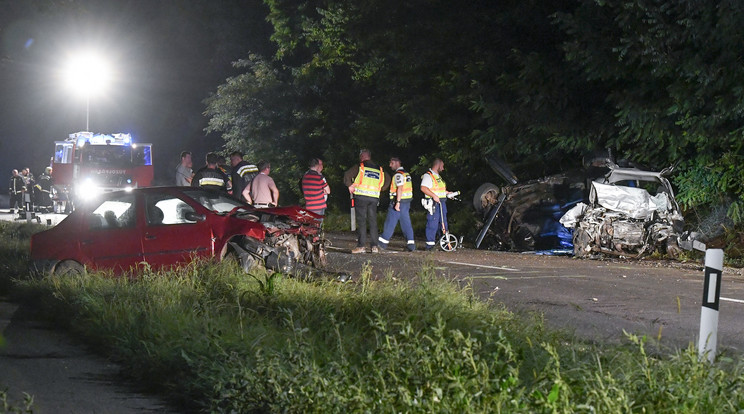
(674, 75)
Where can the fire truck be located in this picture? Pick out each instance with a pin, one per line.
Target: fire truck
(87, 164)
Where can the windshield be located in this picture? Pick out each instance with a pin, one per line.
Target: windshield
(214, 200)
(111, 156)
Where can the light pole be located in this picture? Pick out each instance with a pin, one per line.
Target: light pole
(87, 74)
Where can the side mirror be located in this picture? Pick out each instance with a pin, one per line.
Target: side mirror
(193, 216)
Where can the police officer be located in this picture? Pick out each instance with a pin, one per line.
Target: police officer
(241, 175)
(365, 187)
(210, 176)
(435, 195)
(401, 194)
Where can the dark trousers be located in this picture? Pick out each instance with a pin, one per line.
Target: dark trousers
(16, 201)
(365, 209)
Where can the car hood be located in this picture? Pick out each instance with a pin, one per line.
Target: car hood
(636, 203)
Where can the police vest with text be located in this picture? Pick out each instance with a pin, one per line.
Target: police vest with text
(369, 182)
(438, 186)
(407, 186)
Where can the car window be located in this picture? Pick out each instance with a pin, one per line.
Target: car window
(163, 209)
(213, 200)
(113, 213)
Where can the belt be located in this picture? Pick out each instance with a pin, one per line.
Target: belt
(261, 205)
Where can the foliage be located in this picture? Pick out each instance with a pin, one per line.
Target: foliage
(538, 83)
(673, 75)
(211, 336)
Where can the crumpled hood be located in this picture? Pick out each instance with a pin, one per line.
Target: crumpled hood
(636, 203)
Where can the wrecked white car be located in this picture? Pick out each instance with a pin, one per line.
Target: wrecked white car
(631, 212)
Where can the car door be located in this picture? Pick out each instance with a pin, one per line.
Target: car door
(111, 239)
(171, 235)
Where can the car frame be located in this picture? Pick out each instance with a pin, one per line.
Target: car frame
(630, 212)
(164, 227)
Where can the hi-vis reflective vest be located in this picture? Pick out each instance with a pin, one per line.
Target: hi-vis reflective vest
(407, 186)
(438, 186)
(369, 182)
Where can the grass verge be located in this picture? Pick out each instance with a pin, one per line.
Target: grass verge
(222, 341)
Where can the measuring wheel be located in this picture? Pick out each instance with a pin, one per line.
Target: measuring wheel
(448, 242)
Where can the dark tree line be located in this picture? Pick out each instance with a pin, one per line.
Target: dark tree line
(538, 83)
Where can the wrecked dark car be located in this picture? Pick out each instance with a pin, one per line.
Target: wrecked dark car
(525, 216)
(630, 212)
(161, 227)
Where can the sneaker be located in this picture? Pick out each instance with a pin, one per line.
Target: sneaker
(375, 249)
(359, 249)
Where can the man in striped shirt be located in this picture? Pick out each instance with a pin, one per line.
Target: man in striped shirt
(315, 188)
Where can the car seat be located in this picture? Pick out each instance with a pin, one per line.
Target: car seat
(155, 215)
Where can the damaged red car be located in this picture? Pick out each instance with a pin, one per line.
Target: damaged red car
(161, 227)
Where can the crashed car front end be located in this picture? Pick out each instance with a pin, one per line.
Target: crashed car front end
(293, 241)
(624, 218)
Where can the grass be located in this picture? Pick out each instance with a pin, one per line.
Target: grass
(218, 340)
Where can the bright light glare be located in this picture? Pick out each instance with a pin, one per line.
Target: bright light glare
(87, 74)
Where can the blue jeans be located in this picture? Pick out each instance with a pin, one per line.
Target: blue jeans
(392, 219)
(434, 223)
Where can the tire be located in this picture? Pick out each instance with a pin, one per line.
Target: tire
(69, 268)
(246, 262)
(582, 242)
(485, 196)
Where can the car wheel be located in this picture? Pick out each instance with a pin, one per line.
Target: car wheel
(245, 261)
(485, 196)
(582, 242)
(69, 268)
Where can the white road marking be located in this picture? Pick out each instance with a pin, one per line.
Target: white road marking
(732, 300)
(484, 266)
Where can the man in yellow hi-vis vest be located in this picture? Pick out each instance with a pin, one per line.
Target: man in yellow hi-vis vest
(401, 194)
(435, 194)
(367, 183)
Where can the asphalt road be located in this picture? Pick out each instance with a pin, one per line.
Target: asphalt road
(595, 299)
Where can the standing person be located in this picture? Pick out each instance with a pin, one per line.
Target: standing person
(262, 191)
(43, 190)
(210, 176)
(16, 191)
(183, 171)
(315, 189)
(435, 192)
(242, 173)
(401, 194)
(368, 180)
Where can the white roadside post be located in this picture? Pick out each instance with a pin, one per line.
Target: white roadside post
(711, 298)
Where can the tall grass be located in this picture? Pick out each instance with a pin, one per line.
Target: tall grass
(222, 341)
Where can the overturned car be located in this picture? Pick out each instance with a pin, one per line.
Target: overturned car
(630, 212)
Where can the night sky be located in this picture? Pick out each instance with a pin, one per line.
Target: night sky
(167, 57)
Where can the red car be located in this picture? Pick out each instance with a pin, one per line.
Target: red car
(166, 226)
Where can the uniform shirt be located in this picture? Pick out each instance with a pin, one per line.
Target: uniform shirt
(313, 186)
(261, 189)
(210, 178)
(241, 176)
(183, 173)
(426, 181)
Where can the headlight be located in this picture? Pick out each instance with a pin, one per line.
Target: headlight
(87, 189)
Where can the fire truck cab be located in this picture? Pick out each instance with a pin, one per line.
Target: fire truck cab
(87, 164)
